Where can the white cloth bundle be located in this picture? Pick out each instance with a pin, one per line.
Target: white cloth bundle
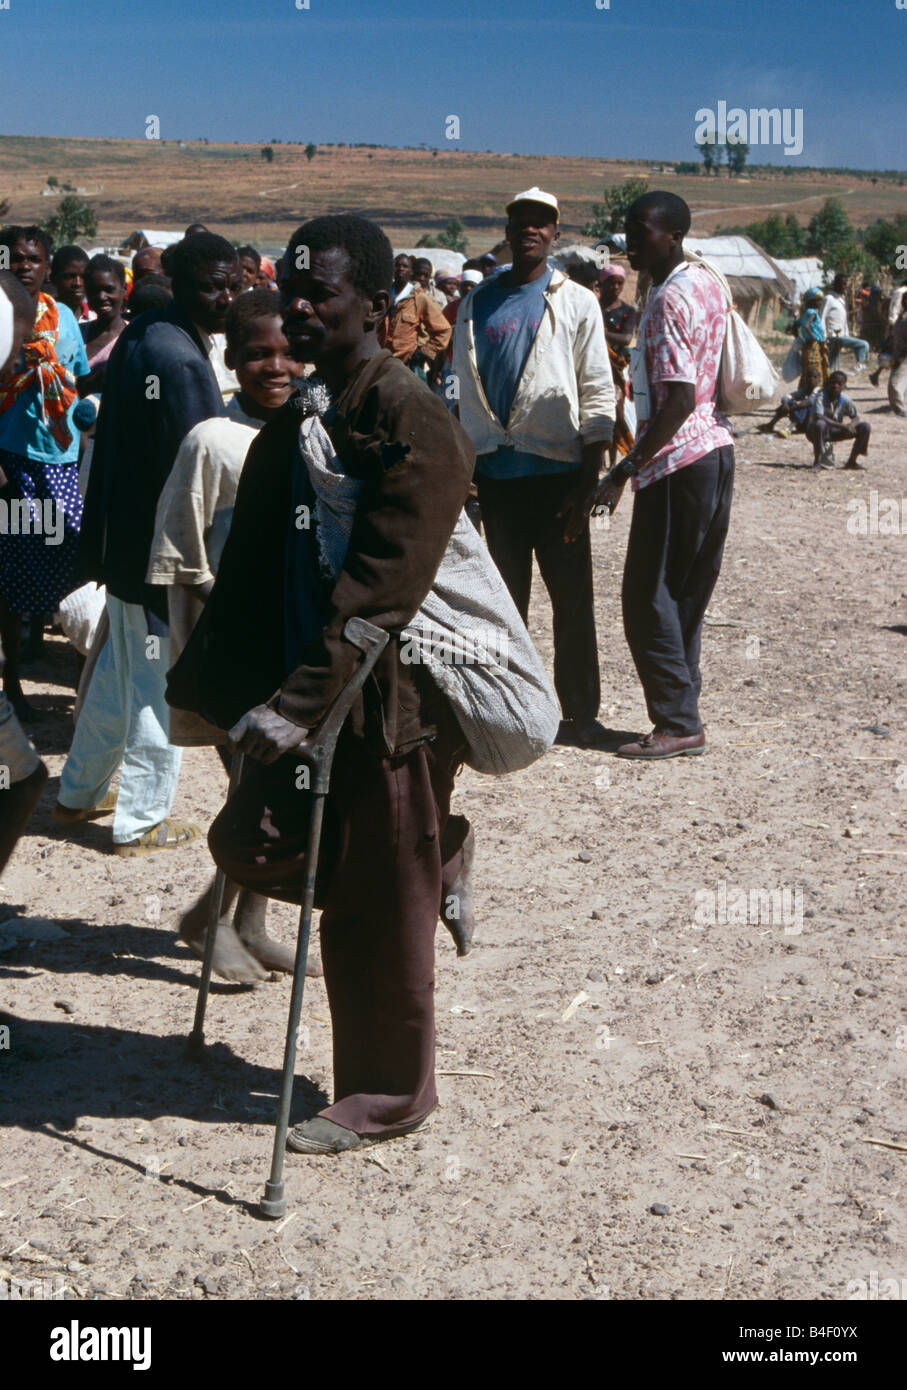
(79, 614)
(468, 633)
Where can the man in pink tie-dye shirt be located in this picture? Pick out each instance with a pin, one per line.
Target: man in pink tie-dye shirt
(682, 467)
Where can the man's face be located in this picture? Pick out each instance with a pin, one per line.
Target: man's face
(531, 231)
(403, 272)
(146, 263)
(249, 271)
(835, 387)
(324, 316)
(263, 363)
(422, 273)
(649, 244)
(214, 288)
(488, 267)
(610, 288)
(813, 381)
(70, 284)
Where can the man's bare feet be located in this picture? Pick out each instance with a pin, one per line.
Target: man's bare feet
(231, 959)
(249, 920)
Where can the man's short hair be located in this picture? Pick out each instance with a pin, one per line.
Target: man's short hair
(151, 292)
(24, 306)
(370, 254)
(245, 309)
(67, 255)
(838, 376)
(104, 265)
(251, 253)
(582, 271)
(10, 235)
(203, 248)
(672, 212)
(423, 260)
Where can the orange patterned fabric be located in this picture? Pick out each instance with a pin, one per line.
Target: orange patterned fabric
(55, 385)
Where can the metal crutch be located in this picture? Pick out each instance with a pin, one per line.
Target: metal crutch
(197, 1036)
(318, 753)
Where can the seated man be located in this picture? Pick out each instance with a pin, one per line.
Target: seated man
(796, 407)
(269, 658)
(833, 415)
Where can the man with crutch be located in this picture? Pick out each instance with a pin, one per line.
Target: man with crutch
(269, 658)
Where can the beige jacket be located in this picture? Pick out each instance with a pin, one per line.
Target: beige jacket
(566, 396)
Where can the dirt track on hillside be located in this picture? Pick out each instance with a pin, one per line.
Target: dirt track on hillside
(603, 1050)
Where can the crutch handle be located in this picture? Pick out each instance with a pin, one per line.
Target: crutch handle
(317, 750)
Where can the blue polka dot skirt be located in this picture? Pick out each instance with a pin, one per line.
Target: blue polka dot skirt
(37, 563)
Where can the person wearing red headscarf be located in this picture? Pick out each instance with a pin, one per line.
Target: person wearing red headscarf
(39, 453)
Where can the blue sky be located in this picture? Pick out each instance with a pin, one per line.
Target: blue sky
(531, 76)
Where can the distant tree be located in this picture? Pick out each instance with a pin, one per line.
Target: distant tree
(451, 239)
(311, 151)
(777, 235)
(53, 181)
(608, 215)
(267, 153)
(737, 152)
(830, 233)
(72, 219)
(686, 166)
(884, 238)
(711, 155)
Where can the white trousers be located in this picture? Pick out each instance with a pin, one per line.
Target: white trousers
(125, 720)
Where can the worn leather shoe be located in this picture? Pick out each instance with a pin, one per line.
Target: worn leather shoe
(661, 745)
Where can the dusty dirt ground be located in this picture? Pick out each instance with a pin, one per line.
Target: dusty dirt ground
(604, 1051)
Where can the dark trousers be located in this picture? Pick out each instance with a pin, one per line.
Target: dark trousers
(677, 536)
(520, 519)
(389, 849)
(822, 432)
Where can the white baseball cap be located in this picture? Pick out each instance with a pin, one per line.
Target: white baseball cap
(536, 195)
(471, 277)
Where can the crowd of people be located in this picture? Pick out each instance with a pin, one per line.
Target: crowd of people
(244, 455)
(819, 407)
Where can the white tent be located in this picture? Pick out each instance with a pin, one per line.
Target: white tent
(449, 262)
(807, 272)
(147, 236)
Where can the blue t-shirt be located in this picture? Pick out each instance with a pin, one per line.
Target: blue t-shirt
(506, 319)
(22, 429)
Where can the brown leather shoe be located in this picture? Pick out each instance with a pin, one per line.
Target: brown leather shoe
(660, 745)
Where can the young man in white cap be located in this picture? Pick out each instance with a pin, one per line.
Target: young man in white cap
(537, 401)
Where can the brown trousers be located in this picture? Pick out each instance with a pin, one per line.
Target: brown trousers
(389, 850)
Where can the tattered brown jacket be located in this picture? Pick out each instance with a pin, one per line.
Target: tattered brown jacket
(416, 464)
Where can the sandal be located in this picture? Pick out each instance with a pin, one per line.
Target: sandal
(167, 834)
(69, 815)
